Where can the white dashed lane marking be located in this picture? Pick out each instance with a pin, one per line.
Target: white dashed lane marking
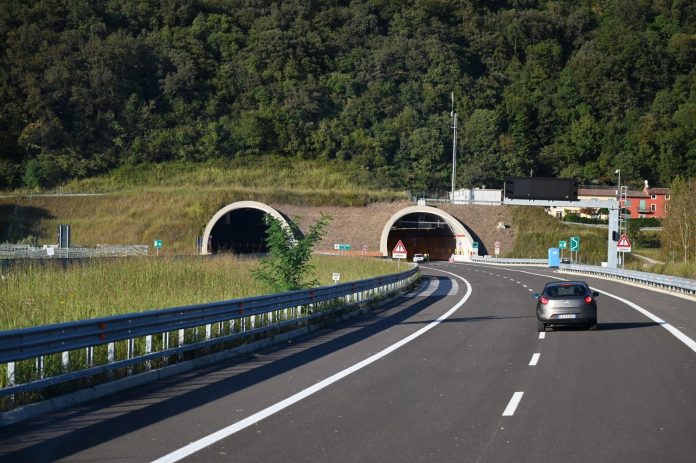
(534, 360)
(512, 405)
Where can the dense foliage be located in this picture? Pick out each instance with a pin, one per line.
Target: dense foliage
(566, 87)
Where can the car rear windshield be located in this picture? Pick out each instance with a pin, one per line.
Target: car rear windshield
(566, 290)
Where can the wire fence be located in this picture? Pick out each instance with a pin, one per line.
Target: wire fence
(19, 251)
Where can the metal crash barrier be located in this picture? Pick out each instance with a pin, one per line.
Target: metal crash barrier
(44, 356)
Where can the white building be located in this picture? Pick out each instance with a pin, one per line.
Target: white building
(477, 196)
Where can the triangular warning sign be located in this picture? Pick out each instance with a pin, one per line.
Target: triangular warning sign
(623, 242)
(399, 248)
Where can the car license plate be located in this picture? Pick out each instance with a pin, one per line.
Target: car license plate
(567, 315)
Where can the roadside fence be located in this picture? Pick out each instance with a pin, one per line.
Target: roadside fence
(20, 251)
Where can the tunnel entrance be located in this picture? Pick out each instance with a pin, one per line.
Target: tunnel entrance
(239, 228)
(423, 233)
(241, 231)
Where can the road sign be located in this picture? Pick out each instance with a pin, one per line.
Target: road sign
(497, 244)
(158, 244)
(342, 247)
(474, 245)
(624, 245)
(399, 251)
(364, 248)
(575, 243)
(563, 244)
(336, 277)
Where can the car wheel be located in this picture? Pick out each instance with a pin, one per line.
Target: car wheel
(541, 327)
(593, 325)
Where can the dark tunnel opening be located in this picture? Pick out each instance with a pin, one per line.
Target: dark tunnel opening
(423, 233)
(241, 231)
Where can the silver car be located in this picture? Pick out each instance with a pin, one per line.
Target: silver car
(566, 303)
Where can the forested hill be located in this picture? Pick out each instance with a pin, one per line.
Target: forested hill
(568, 88)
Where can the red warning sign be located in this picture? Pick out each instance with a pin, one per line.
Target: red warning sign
(624, 245)
(399, 251)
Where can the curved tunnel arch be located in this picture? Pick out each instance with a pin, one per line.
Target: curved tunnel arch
(463, 242)
(253, 211)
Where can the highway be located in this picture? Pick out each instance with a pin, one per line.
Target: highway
(454, 371)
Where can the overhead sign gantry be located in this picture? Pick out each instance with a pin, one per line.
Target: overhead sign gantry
(546, 192)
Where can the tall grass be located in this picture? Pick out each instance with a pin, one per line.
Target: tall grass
(36, 294)
(678, 269)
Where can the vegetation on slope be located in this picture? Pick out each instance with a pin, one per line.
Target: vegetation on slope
(174, 201)
(536, 231)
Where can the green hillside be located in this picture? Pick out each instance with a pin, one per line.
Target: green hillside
(174, 201)
(565, 87)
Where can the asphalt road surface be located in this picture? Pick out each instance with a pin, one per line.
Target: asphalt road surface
(455, 371)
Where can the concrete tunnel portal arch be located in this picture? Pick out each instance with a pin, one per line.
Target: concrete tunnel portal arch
(426, 230)
(239, 228)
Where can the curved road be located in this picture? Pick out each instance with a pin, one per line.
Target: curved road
(455, 371)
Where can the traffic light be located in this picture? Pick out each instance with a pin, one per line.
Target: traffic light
(615, 236)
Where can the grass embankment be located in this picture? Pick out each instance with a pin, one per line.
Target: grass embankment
(536, 231)
(173, 202)
(37, 294)
(679, 269)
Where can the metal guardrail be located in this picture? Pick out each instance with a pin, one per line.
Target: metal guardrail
(509, 261)
(38, 357)
(678, 284)
(18, 251)
(672, 283)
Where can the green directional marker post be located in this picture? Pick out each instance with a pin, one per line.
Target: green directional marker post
(158, 246)
(574, 246)
(562, 244)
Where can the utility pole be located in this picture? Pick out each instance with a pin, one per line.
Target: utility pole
(454, 147)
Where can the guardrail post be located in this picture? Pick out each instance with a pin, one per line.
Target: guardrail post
(40, 366)
(208, 331)
(111, 353)
(165, 346)
(10, 374)
(89, 356)
(181, 342)
(148, 350)
(65, 360)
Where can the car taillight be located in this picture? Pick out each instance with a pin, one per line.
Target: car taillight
(588, 299)
(544, 300)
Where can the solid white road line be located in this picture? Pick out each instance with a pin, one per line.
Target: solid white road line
(512, 405)
(209, 440)
(535, 360)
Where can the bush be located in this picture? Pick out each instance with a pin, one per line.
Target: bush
(575, 218)
(287, 266)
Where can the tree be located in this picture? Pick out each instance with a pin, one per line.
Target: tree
(287, 267)
(679, 227)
